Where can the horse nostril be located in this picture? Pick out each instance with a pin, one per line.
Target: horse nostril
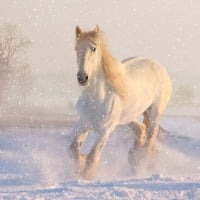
(82, 79)
(78, 78)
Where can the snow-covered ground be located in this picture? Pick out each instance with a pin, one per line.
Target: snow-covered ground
(34, 164)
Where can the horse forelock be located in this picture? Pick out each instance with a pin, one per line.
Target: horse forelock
(90, 36)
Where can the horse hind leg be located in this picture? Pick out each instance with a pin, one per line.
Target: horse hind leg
(153, 115)
(154, 112)
(146, 133)
(140, 130)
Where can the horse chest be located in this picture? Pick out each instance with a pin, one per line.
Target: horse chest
(95, 109)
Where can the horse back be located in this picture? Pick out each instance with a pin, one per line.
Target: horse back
(140, 66)
(147, 77)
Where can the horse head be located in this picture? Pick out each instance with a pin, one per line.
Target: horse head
(88, 53)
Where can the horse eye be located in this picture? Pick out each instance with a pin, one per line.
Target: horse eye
(93, 49)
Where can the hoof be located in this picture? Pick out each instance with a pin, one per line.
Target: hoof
(78, 161)
(87, 174)
(89, 171)
(153, 150)
(137, 155)
(142, 159)
(138, 160)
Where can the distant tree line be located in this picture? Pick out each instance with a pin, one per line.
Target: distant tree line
(183, 94)
(14, 71)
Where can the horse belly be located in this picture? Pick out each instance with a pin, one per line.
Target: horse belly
(131, 113)
(139, 101)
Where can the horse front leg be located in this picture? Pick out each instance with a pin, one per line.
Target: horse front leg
(92, 159)
(104, 126)
(80, 136)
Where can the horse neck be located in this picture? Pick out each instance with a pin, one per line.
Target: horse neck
(114, 73)
(110, 77)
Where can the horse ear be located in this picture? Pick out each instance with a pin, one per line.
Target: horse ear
(78, 31)
(97, 28)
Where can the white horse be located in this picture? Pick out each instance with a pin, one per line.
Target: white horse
(115, 93)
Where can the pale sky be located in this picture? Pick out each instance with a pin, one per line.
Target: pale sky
(168, 31)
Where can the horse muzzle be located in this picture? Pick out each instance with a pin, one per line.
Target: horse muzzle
(82, 79)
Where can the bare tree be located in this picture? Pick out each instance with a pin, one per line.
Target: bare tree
(14, 71)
